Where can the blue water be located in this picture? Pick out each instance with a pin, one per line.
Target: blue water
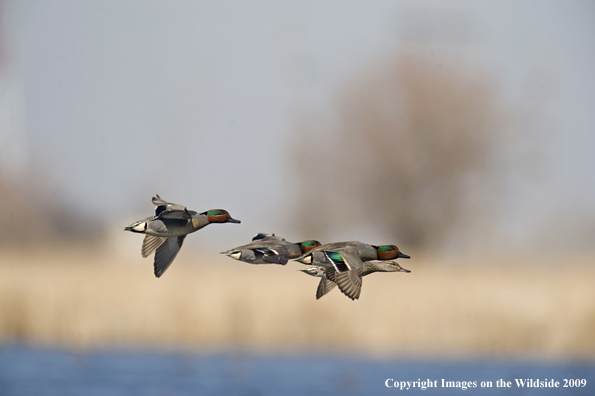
(38, 371)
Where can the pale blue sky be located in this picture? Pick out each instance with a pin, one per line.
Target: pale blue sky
(198, 101)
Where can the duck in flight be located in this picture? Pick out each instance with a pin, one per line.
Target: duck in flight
(270, 249)
(166, 230)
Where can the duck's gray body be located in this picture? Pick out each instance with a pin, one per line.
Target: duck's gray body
(172, 224)
(266, 249)
(165, 232)
(318, 257)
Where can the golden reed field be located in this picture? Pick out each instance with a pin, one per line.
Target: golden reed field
(442, 309)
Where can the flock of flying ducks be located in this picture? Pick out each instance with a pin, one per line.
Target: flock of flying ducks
(341, 264)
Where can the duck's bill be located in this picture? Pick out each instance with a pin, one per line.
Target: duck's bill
(230, 220)
(403, 270)
(401, 255)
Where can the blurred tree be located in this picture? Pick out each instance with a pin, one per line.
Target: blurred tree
(32, 216)
(408, 150)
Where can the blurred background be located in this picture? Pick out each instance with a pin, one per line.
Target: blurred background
(460, 131)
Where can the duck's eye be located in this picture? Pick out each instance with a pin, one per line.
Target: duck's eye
(217, 212)
(385, 248)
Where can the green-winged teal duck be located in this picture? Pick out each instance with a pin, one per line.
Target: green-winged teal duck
(270, 249)
(165, 232)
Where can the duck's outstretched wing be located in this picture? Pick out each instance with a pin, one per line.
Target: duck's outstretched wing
(150, 243)
(170, 210)
(344, 259)
(158, 201)
(348, 270)
(350, 283)
(330, 274)
(261, 235)
(174, 214)
(325, 286)
(166, 253)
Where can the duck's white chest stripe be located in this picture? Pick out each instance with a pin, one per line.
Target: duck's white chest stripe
(140, 227)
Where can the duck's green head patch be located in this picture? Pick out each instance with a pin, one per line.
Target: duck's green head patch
(306, 246)
(388, 252)
(219, 216)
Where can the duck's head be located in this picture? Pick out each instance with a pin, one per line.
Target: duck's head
(306, 246)
(390, 266)
(389, 252)
(219, 216)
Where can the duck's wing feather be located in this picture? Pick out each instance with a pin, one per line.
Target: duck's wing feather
(348, 274)
(158, 201)
(174, 214)
(344, 259)
(261, 235)
(270, 241)
(163, 206)
(335, 246)
(330, 274)
(150, 243)
(274, 254)
(324, 287)
(259, 252)
(166, 253)
(350, 283)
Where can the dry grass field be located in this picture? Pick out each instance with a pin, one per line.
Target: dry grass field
(447, 309)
